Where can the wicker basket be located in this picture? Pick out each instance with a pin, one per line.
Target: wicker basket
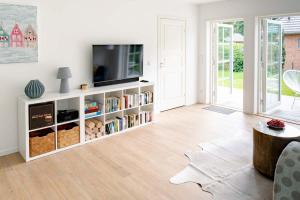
(41, 142)
(67, 135)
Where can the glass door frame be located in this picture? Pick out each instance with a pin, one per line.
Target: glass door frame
(263, 64)
(215, 60)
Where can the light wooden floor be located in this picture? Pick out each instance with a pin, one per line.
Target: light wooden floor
(135, 165)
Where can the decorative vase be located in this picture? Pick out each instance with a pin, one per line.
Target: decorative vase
(34, 89)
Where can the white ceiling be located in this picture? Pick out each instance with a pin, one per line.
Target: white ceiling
(201, 1)
(198, 1)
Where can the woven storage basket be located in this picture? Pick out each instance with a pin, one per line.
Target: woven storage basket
(41, 142)
(67, 135)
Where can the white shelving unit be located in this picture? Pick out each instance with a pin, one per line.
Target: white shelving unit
(76, 100)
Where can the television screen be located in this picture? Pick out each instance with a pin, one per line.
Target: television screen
(113, 63)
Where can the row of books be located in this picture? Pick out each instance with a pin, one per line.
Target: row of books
(131, 120)
(92, 108)
(113, 104)
(146, 98)
(145, 117)
(130, 101)
(128, 121)
(115, 125)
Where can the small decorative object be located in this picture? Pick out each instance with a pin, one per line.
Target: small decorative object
(18, 34)
(34, 89)
(64, 73)
(84, 86)
(276, 124)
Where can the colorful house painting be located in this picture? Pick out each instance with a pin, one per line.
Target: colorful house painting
(16, 37)
(30, 37)
(4, 38)
(18, 34)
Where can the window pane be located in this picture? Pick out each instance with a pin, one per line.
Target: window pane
(227, 34)
(226, 52)
(221, 34)
(220, 53)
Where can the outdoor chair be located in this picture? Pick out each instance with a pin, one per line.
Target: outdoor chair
(292, 79)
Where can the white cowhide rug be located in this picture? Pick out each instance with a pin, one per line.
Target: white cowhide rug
(224, 169)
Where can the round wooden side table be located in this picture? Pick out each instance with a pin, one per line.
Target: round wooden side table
(268, 144)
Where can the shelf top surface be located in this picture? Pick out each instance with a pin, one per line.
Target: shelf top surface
(76, 93)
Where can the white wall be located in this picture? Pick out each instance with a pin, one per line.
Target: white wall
(68, 28)
(248, 10)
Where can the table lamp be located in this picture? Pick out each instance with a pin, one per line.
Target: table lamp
(64, 73)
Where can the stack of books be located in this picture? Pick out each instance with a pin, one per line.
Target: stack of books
(146, 98)
(130, 101)
(145, 117)
(92, 108)
(113, 104)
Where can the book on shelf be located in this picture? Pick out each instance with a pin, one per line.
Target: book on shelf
(146, 98)
(92, 110)
(130, 101)
(114, 125)
(121, 123)
(92, 107)
(90, 104)
(131, 120)
(113, 104)
(93, 114)
(145, 117)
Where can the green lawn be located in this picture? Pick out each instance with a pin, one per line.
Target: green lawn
(238, 82)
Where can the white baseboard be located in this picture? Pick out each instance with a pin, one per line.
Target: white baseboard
(5, 152)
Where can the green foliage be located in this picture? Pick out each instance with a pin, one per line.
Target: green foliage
(239, 27)
(238, 78)
(238, 63)
(283, 52)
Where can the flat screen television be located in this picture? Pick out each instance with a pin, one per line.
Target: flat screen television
(114, 64)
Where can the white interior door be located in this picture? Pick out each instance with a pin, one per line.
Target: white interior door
(272, 64)
(172, 47)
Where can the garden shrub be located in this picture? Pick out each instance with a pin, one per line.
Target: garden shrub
(238, 63)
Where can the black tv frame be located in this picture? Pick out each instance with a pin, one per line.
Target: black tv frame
(104, 83)
(115, 82)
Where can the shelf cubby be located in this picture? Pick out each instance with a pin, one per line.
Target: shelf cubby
(94, 128)
(146, 95)
(146, 114)
(113, 124)
(42, 141)
(131, 98)
(68, 134)
(113, 101)
(94, 105)
(131, 117)
(67, 104)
